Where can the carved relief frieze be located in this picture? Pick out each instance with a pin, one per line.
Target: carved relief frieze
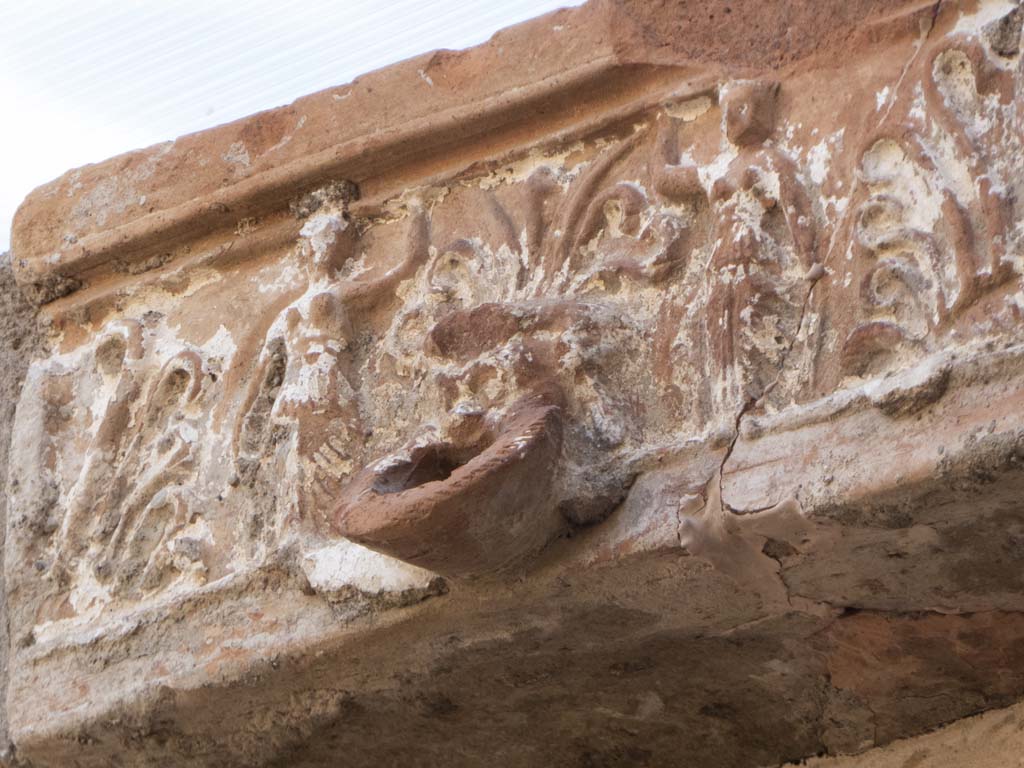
(457, 372)
(643, 332)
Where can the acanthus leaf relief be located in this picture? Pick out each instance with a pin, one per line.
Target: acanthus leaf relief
(934, 224)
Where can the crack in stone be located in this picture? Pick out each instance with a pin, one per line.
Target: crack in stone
(778, 562)
(752, 403)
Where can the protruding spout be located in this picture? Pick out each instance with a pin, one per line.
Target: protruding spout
(463, 510)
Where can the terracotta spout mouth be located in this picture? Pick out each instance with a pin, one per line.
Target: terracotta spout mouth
(462, 510)
(434, 462)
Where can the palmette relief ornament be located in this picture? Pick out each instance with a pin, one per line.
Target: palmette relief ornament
(935, 221)
(510, 329)
(126, 516)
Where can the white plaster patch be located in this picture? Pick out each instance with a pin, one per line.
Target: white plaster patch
(322, 231)
(237, 155)
(882, 97)
(988, 11)
(221, 345)
(818, 158)
(521, 169)
(346, 564)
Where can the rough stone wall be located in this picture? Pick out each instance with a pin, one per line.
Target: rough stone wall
(19, 341)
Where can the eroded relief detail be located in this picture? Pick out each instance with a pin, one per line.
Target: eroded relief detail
(114, 487)
(457, 376)
(934, 224)
(502, 345)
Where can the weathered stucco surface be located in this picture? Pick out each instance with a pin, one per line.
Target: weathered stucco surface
(19, 339)
(643, 387)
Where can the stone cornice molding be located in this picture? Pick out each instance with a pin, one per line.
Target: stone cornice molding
(63, 241)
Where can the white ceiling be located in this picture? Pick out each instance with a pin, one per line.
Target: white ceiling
(82, 80)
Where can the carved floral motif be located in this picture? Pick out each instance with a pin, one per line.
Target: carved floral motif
(936, 226)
